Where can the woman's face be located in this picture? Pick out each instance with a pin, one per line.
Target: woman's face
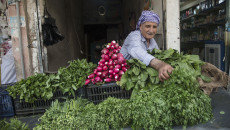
(148, 30)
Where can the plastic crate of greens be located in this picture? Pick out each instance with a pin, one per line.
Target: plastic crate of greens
(6, 104)
(39, 106)
(98, 93)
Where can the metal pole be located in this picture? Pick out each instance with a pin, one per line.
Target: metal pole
(20, 39)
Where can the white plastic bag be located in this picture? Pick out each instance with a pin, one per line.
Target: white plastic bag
(8, 71)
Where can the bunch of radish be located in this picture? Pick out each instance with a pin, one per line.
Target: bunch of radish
(111, 67)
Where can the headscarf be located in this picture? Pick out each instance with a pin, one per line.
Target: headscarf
(148, 16)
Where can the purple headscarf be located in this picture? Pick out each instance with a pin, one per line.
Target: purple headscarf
(148, 16)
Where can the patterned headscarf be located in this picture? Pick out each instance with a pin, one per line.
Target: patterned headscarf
(148, 16)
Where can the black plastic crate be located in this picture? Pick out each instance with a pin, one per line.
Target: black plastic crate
(6, 104)
(39, 106)
(97, 94)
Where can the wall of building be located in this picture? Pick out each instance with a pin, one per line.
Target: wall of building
(172, 24)
(68, 16)
(15, 40)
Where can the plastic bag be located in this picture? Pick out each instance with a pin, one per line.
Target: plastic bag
(50, 32)
(8, 70)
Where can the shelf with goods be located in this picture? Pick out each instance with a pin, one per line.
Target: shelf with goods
(204, 21)
(201, 25)
(202, 9)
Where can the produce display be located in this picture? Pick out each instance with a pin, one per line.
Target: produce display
(32, 88)
(153, 104)
(111, 67)
(68, 79)
(13, 124)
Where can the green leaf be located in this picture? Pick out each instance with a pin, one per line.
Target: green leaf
(153, 80)
(49, 95)
(222, 112)
(205, 78)
(136, 70)
(151, 71)
(144, 76)
(129, 84)
(74, 87)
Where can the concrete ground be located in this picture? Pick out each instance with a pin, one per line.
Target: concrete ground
(220, 121)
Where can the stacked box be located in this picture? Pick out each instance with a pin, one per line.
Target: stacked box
(23, 108)
(97, 94)
(6, 104)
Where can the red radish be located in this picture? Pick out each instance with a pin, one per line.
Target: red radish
(115, 62)
(110, 60)
(102, 61)
(119, 47)
(101, 64)
(99, 68)
(121, 60)
(103, 56)
(93, 81)
(114, 73)
(95, 71)
(105, 51)
(99, 73)
(91, 76)
(112, 47)
(111, 67)
(114, 56)
(116, 70)
(110, 71)
(125, 64)
(107, 80)
(116, 45)
(110, 63)
(116, 76)
(115, 51)
(119, 55)
(105, 68)
(106, 57)
(118, 66)
(121, 72)
(124, 69)
(110, 53)
(97, 79)
(113, 42)
(106, 72)
(87, 81)
(106, 63)
(108, 46)
(110, 76)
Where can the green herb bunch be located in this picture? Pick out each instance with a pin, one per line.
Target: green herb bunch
(42, 86)
(32, 88)
(181, 93)
(70, 78)
(80, 114)
(13, 124)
